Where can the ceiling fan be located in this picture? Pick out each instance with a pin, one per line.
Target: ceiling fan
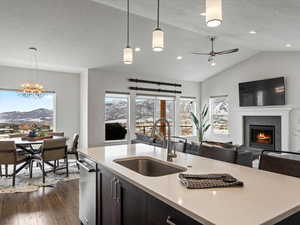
(213, 53)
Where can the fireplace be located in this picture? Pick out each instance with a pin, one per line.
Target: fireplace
(262, 133)
(262, 136)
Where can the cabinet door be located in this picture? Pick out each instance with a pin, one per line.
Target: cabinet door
(133, 204)
(106, 198)
(160, 213)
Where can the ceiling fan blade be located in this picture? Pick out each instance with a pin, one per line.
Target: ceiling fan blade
(200, 53)
(227, 51)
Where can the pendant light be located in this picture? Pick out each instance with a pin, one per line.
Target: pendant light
(213, 13)
(128, 51)
(158, 35)
(33, 89)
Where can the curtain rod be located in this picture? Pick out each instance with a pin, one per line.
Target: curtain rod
(154, 82)
(155, 90)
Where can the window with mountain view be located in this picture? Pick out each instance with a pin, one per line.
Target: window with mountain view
(144, 114)
(18, 113)
(186, 106)
(116, 116)
(219, 114)
(151, 108)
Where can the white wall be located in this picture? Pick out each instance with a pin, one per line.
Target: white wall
(84, 85)
(66, 86)
(100, 81)
(261, 66)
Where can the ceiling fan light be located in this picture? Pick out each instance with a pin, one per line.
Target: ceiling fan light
(212, 61)
(128, 55)
(214, 13)
(158, 40)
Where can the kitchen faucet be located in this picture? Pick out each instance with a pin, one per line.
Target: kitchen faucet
(171, 153)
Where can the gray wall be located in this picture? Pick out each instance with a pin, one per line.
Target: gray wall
(261, 66)
(66, 86)
(100, 81)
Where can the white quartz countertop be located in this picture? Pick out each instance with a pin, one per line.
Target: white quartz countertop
(266, 198)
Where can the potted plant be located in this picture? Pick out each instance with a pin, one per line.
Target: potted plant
(202, 124)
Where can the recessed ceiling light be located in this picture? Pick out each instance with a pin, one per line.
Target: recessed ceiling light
(288, 45)
(137, 49)
(252, 32)
(179, 57)
(203, 14)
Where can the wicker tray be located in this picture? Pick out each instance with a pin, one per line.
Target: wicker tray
(195, 181)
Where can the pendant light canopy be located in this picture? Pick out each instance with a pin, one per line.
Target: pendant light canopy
(213, 13)
(158, 35)
(128, 51)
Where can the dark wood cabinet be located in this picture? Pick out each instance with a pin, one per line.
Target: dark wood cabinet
(106, 203)
(133, 204)
(161, 213)
(122, 203)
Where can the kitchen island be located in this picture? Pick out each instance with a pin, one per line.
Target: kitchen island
(266, 198)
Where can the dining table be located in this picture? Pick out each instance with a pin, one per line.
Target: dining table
(28, 146)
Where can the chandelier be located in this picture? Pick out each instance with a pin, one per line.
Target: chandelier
(30, 89)
(33, 89)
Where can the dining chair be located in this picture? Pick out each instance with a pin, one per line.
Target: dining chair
(57, 134)
(283, 162)
(10, 156)
(218, 153)
(74, 147)
(52, 150)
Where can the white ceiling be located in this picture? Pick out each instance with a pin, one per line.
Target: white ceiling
(76, 34)
(276, 21)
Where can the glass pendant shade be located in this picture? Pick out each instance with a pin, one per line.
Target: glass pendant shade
(127, 55)
(213, 13)
(158, 40)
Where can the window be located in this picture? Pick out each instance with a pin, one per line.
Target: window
(18, 113)
(219, 115)
(186, 106)
(151, 108)
(144, 114)
(116, 116)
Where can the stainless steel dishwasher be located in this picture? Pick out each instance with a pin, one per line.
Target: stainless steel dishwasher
(87, 192)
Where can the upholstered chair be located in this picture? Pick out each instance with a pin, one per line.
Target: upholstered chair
(9, 156)
(287, 163)
(52, 150)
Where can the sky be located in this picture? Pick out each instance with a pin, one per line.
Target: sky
(14, 101)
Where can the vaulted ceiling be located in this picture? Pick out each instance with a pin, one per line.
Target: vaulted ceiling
(76, 34)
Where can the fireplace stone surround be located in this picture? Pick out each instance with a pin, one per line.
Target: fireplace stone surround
(271, 123)
(237, 124)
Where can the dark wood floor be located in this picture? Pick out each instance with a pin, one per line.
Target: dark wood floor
(48, 206)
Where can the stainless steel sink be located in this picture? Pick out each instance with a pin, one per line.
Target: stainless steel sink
(150, 167)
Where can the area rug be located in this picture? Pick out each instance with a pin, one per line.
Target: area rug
(26, 184)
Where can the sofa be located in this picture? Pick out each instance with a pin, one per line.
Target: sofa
(226, 152)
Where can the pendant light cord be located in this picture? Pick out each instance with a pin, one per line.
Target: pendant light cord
(128, 24)
(157, 25)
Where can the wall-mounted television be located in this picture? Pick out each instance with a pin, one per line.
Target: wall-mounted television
(262, 92)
